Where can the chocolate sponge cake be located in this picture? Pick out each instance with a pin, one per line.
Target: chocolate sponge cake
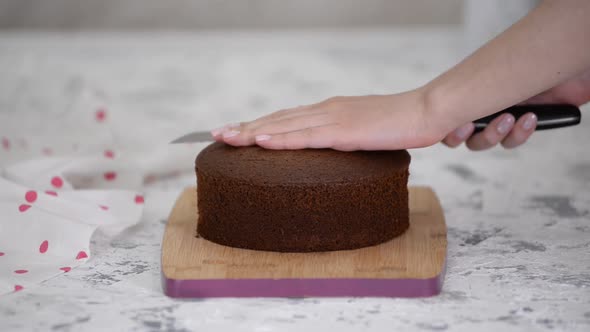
(303, 200)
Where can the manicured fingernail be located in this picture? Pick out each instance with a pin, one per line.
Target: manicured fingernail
(529, 122)
(217, 131)
(260, 138)
(505, 125)
(230, 133)
(462, 132)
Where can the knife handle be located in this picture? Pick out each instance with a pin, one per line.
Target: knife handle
(549, 116)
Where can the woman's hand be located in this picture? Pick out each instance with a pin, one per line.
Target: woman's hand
(547, 46)
(389, 122)
(503, 130)
(383, 122)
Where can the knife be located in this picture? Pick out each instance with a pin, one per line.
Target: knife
(549, 116)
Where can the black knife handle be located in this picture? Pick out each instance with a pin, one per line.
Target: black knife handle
(549, 116)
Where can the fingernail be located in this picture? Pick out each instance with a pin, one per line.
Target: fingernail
(260, 138)
(505, 125)
(217, 131)
(230, 133)
(462, 132)
(529, 122)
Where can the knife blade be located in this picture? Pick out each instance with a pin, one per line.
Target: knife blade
(194, 137)
(549, 116)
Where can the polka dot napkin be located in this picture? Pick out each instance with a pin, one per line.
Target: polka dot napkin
(46, 225)
(56, 188)
(64, 174)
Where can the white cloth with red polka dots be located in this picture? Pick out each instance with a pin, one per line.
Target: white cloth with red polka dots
(55, 194)
(46, 225)
(47, 232)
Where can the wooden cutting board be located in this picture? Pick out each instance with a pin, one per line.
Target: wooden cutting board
(412, 265)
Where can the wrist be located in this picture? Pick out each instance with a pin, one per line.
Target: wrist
(438, 108)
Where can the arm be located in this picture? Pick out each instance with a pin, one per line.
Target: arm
(545, 48)
(574, 91)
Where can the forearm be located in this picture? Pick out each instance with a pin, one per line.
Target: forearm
(548, 46)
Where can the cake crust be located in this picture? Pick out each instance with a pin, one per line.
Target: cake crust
(303, 200)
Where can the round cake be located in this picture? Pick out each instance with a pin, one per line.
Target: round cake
(301, 200)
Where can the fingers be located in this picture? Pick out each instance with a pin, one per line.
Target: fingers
(297, 119)
(502, 130)
(315, 137)
(285, 113)
(241, 134)
(494, 133)
(459, 135)
(523, 129)
(218, 132)
(245, 134)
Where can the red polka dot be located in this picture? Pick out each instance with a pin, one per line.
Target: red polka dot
(47, 151)
(100, 115)
(66, 269)
(18, 288)
(51, 192)
(109, 154)
(57, 182)
(104, 207)
(31, 196)
(81, 255)
(24, 207)
(110, 176)
(139, 199)
(5, 143)
(44, 246)
(21, 271)
(1, 254)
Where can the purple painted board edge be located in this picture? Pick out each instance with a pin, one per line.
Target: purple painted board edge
(327, 287)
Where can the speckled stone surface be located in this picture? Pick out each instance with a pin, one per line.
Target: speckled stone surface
(518, 221)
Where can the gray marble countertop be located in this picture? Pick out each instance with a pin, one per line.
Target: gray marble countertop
(518, 221)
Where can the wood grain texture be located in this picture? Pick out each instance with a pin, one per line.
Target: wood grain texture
(418, 254)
